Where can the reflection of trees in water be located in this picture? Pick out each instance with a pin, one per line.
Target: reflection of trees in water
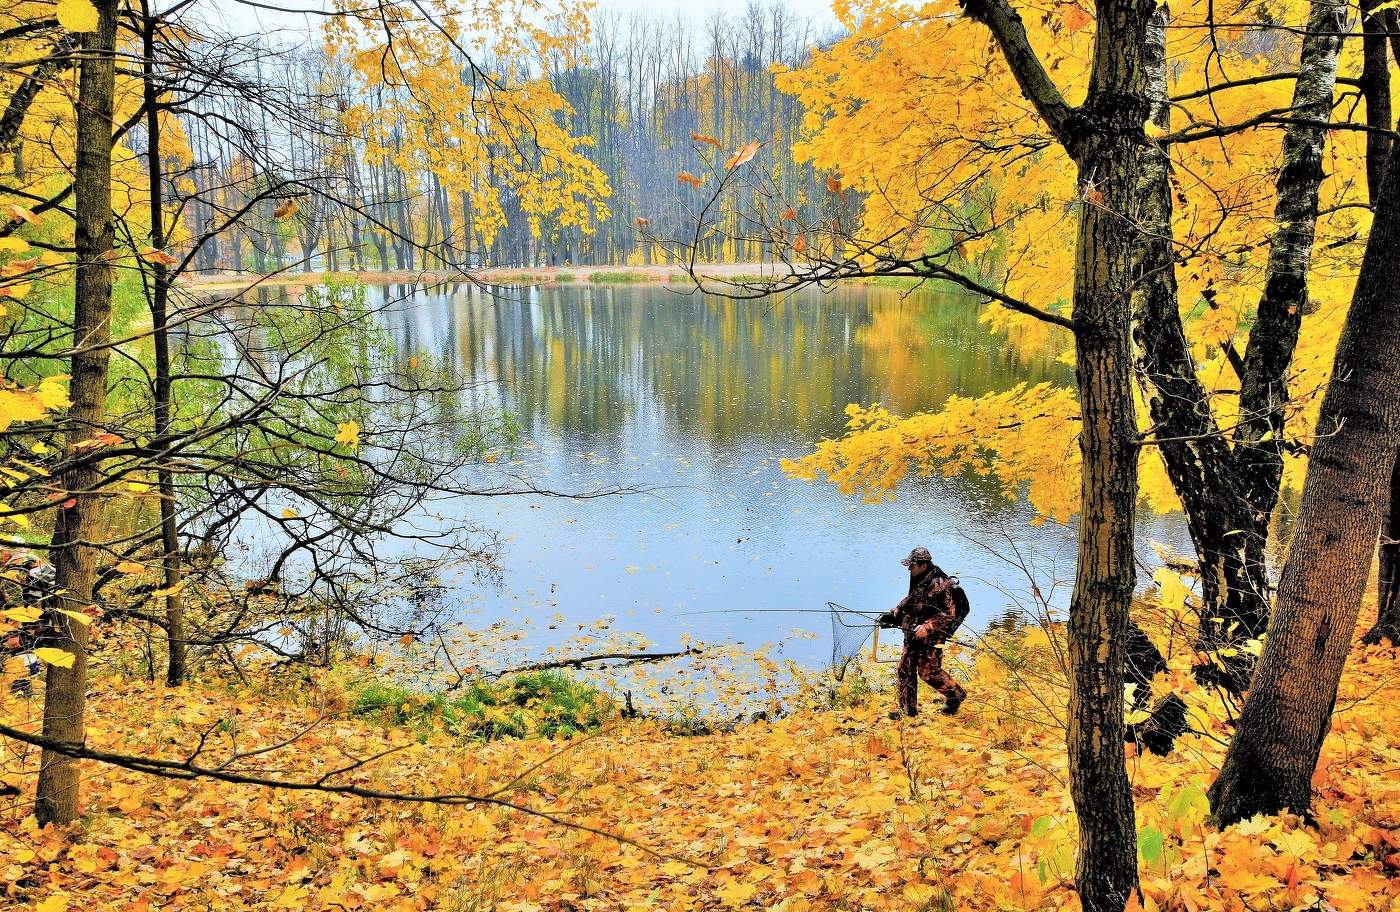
(584, 361)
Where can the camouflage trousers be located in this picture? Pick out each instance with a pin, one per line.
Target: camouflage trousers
(923, 661)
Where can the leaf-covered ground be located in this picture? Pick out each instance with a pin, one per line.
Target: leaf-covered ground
(821, 810)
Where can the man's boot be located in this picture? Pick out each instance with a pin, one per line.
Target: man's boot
(951, 707)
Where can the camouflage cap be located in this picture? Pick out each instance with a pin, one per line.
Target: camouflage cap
(918, 556)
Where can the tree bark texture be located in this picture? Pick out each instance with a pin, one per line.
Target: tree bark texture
(1106, 139)
(175, 636)
(75, 561)
(1286, 716)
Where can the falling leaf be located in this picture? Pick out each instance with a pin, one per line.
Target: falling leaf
(1074, 16)
(741, 155)
(685, 177)
(53, 392)
(286, 209)
(159, 257)
(289, 513)
(706, 139)
(789, 214)
(130, 567)
(52, 656)
(348, 433)
(15, 211)
(833, 184)
(75, 615)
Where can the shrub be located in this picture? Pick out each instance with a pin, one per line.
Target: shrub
(543, 704)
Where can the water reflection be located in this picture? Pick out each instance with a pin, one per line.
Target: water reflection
(699, 397)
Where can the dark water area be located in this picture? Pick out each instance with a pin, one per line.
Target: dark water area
(697, 398)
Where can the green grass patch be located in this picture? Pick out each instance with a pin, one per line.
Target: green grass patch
(618, 277)
(565, 277)
(897, 281)
(543, 704)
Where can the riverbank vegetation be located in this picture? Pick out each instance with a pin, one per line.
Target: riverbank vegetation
(238, 495)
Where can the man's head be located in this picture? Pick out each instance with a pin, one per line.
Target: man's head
(918, 561)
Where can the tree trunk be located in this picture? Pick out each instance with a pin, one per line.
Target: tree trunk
(1375, 88)
(75, 562)
(1105, 138)
(1228, 494)
(1387, 626)
(1286, 716)
(175, 636)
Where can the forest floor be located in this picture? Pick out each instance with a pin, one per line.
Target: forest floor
(836, 809)
(539, 275)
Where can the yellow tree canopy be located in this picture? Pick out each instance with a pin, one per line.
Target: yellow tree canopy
(917, 113)
(456, 99)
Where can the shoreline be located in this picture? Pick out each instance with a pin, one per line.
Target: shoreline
(549, 275)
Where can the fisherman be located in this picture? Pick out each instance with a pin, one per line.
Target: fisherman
(928, 615)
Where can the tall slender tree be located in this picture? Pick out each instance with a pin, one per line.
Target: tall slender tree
(79, 521)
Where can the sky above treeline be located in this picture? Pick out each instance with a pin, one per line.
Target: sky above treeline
(300, 15)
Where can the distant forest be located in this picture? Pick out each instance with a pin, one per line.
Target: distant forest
(645, 90)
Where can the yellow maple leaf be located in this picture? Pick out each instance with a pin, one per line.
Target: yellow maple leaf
(53, 392)
(348, 433)
(52, 656)
(77, 15)
(736, 893)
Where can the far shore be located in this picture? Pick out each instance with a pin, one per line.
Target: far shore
(537, 275)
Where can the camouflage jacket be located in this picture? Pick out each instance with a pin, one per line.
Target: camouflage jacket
(928, 607)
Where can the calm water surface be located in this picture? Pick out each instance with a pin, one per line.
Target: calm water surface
(698, 398)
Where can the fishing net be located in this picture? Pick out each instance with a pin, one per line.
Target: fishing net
(849, 631)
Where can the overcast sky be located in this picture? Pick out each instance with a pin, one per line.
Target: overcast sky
(240, 17)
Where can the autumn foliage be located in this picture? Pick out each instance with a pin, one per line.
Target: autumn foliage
(828, 808)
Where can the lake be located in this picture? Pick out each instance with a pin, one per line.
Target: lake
(697, 398)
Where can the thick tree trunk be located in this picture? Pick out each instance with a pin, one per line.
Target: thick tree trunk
(1286, 716)
(1375, 87)
(175, 636)
(75, 562)
(1106, 139)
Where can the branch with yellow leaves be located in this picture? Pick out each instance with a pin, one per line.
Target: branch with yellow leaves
(1006, 26)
